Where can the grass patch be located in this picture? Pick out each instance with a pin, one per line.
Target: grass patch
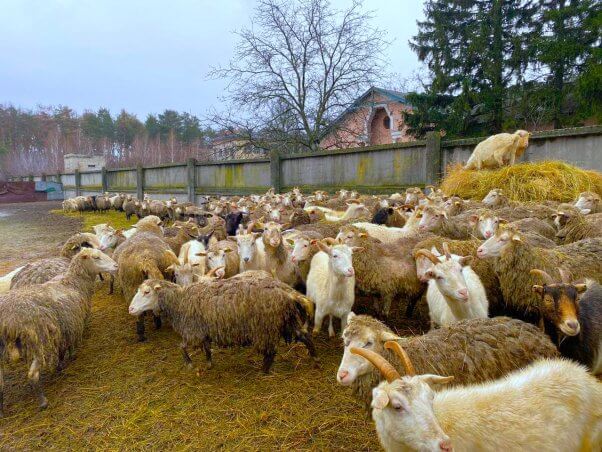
(525, 182)
(90, 219)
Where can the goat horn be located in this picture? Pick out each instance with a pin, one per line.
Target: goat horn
(250, 227)
(446, 250)
(401, 353)
(384, 366)
(430, 256)
(547, 278)
(564, 275)
(211, 272)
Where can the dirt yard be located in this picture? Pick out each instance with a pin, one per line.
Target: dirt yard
(120, 394)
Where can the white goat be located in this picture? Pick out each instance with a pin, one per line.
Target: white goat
(251, 250)
(552, 405)
(331, 284)
(455, 292)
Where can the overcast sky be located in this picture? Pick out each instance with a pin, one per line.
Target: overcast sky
(142, 55)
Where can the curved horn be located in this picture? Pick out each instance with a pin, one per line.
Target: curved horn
(250, 227)
(384, 366)
(446, 250)
(401, 353)
(547, 278)
(426, 253)
(565, 276)
(211, 273)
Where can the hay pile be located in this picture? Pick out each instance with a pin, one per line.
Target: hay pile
(536, 182)
(118, 394)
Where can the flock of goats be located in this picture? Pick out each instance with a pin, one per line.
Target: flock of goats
(512, 291)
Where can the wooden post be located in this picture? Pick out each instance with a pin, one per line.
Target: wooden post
(140, 182)
(104, 180)
(275, 170)
(78, 183)
(191, 179)
(433, 158)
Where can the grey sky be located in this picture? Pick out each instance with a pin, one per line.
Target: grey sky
(142, 55)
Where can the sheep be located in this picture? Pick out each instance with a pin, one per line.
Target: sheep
(390, 235)
(588, 202)
(44, 323)
(103, 203)
(388, 271)
(515, 258)
(471, 350)
(571, 314)
(186, 230)
(496, 199)
(498, 150)
(43, 270)
(248, 309)
(389, 216)
(413, 196)
(5, 281)
(144, 256)
(516, 412)
(276, 257)
(304, 248)
(222, 257)
(130, 208)
(578, 226)
(331, 284)
(117, 201)
(455, 291)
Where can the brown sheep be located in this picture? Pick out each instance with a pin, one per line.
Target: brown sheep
(248, 309)
(186, 231)
(44, 324)
(43, 270)
(386, 270)
(472, 351)
(141, 257)
(514, 259)
(578, 227)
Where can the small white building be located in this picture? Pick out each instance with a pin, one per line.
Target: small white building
(83, 162)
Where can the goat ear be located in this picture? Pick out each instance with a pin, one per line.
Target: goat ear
(355, 249)
(227, 250)
(516, 238)
(386, 335)
(435, 381)
(473, 219)
(157, 287)
(363, 235)
(537, 289)
(380, 399)
(323, 247)
(291, 242)
(430, 274)
(466, 260)
(580, 288)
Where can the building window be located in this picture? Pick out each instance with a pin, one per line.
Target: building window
(387, 122)
(91, 166)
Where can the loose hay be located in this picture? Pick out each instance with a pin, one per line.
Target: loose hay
(525, 182)
(119, 394)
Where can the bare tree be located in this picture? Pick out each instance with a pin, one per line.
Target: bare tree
(298, 66)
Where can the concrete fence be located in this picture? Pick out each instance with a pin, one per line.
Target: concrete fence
(375, 169)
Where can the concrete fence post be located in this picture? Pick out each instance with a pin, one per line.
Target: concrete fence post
(433, 158)
(78, 182)
(43, 177)
(104, 180)
(140, 182)
(31, 178)
(191, 179)
(275, 170)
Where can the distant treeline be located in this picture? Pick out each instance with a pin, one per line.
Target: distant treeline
(35, 141)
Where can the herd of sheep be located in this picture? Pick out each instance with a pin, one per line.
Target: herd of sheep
(511, 361)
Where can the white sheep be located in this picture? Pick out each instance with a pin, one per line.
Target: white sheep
(552, 405)
(331, 284)
(499, 150)
(455, 292)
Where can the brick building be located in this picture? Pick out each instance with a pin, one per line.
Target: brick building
(374, 118)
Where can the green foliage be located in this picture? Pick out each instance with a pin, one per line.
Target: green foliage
(497, 64)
